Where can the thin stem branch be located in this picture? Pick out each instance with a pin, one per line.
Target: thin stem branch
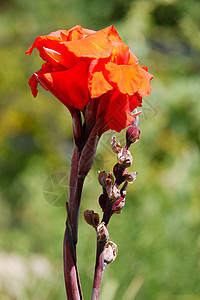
(99, 268)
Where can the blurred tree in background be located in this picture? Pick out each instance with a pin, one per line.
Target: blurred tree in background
(158, 233)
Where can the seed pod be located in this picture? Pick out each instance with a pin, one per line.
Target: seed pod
(130, 177)
(102, 233)
(132, 134)
(125, 160)
(91, 218)
(114, 194)
(115, 146)
(110, 253)
(103, 198)
(102, 178)
(119, 204)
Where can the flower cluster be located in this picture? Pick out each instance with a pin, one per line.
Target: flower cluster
(93, 72)
(112, 200)
(112, 195)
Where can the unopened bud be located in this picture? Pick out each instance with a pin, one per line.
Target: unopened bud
(91, 218)
(103, 198)
(132, 134)
(102, 178)
(130, 177)
(123, 189)
(114, 194)
(102, 233)
(115, 146)
(125, 160)
(119, 204)
(109, 186)
(110, 177)
(110, 253)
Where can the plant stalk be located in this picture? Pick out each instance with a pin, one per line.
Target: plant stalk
(99, 268)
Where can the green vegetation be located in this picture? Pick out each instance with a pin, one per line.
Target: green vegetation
(158, 233)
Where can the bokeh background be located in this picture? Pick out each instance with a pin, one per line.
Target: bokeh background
(158, 233)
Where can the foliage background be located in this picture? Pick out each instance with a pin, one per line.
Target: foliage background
(158, 233)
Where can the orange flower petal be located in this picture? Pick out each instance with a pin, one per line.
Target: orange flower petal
(93, 46)
(77, 33)
(111, 34)
(132, 58)
(135, 101)
(119, 117)
(115, 111)
(126, 78)
(64, 57)
(145, 88)
(120, 53)
(97, 83)
(33, 82)
(59, 35)
(69, 86)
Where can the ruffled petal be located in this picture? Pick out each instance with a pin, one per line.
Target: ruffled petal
(97, 83)
(120, 53)
(93, 46)
(77, 33)
(125, 78)
(59, 35)
(132, 58)
(62, 56)
(145, 88)
(111, 34)
(115, 111)
(69, 86)
(33, 82)
(135, 101)
(119, 115)
(54, 52)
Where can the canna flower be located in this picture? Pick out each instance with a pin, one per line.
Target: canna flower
(93, 72)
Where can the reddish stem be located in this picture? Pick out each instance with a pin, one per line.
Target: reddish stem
(99, 268)
(82, 162)
(72, 282)
(74, 208)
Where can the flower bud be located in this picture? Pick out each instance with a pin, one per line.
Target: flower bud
(110, 253)
(132, 134)
(114, 194)
(130, 177)
(119, 204)
(103, 198)
(109, 187)
(102, 178)
(115, 146)
(91, 218)
(123, 189)
(110, 177)
(102, 233)
(125, 160)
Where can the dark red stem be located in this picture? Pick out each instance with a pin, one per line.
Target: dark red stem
(74, 209)
(72, 282)
(82, 162)
(99, 268)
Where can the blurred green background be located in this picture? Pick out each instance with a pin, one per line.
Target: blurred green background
(158, 233)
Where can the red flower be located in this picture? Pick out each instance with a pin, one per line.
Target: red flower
(94, 72)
